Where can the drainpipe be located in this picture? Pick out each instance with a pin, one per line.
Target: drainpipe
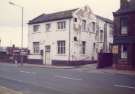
(105, 38)
(69, 41)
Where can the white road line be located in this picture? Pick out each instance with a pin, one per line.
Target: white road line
(65, 77)
(27, 72)
(124, 86)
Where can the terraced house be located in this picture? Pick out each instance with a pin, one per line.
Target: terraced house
(66, 37)
(124, 34)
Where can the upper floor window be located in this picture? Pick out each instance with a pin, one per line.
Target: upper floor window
(93, 26)
(61, 47)
(36, 49)
(101, 35)
(48, 26)
(124, 26)
(84, 25)
(111, 32)
(75, 19)
(61, 25)
(36, 28)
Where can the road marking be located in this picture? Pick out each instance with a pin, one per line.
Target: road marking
(124, 86)
(27, 72)
(65, 77)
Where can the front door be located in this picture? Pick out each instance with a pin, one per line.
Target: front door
(47, 55)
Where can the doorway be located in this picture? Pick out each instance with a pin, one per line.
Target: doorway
(47, 55)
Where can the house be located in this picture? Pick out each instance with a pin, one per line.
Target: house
(124, 35)
(66, 37)
(104, 34)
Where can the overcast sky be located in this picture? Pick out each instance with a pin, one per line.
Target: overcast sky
(10, 16)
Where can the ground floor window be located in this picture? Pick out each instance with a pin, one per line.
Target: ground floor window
(36, 49)
(83, 50)
(124, 52)
(61, 47)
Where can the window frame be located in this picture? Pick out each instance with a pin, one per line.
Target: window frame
(123, 54)
(83, 50)
(93, 26)
(124, 25)
(61, 47)
(48, 26)
(84, 25)
(101, 35)
(75, 19)
(36, 28)
(36, 47)
(61, 25)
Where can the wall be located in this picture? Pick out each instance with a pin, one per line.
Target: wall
(49, 38)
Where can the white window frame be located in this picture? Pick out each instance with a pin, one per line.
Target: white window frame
(124, 26)
(83, 49)
(61, 47)
(101, 35)
(124, 54)
(93, 26)
(83, 25)
(36, 28)
(48, 26)
(61, 25)
(36, 48)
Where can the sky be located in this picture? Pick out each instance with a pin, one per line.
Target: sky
(10, 16)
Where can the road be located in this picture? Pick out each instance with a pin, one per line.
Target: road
(64, 81)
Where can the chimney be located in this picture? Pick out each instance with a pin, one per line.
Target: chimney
(124, 3)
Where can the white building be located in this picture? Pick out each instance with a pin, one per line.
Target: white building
(67, 37)
(104, 34)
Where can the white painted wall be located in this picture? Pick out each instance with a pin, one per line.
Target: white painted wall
(51, 38)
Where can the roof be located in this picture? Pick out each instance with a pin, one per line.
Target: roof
(60, 15)
(53, 16)
(105, 19)
(129, 7)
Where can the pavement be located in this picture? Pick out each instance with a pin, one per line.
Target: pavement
(4, 90)
(93, 68)
(87, 68)
(36, 80)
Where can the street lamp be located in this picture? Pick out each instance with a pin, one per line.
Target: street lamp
(11, 3)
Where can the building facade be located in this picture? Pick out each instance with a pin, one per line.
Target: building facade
(104, 34)
(67, 37)
(124, 35)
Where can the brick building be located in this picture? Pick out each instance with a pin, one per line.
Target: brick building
(124, 35)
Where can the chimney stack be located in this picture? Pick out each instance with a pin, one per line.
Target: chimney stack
(124, 3)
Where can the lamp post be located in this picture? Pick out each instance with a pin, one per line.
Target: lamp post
(11, 3)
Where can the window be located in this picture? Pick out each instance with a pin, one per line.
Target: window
(61, 47)
(124, 50)
(93, 26)
(61, 25)
(36, 49)
(75, 38)
(75, 19)
(83, 47)
(48, 26)
(97, 35)
(101, 35)
(36, 28)
(47, 48)
(111, 32)
(84, 25)
(124, 26)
